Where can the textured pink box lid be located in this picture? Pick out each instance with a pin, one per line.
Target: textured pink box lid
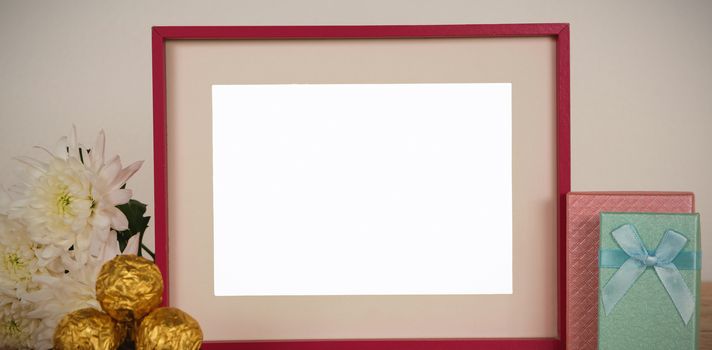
(582, 216)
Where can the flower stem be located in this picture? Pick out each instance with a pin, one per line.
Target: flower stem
(152, 254)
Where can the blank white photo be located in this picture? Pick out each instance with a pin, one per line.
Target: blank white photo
(362, 189)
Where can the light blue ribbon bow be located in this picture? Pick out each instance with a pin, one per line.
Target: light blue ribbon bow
(639, 260)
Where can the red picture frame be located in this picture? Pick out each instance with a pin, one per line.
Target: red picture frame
(558, 31)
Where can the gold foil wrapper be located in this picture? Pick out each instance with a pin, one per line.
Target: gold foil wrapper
(129, 287)
(169, 328)
(88, 329)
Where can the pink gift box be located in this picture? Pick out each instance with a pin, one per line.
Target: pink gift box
(582, 230)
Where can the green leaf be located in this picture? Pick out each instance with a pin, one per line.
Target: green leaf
(134, 211)
(138, 223)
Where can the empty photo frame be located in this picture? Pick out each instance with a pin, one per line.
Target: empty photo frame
(273, 118)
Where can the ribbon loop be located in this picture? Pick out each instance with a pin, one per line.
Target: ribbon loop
(670, 246)
(639, 260)
(629, 240)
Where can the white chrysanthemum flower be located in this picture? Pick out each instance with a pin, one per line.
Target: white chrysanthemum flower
(58, 296)
(57, 207)
(54, 237)
(18, 262)
(16, 329)
(70, 201)
(18, 265)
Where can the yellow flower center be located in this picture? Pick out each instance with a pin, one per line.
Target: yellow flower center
(12, 329)
(63, 202)
(15, 265)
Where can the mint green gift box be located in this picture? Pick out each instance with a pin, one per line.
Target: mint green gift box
(644, 301)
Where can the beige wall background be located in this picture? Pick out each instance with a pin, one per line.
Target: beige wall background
(641, 77)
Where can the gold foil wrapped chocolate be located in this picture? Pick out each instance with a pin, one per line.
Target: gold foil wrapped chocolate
(129, 287)
(168, 328)
(88, 329)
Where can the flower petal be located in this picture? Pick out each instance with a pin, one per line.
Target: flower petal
(132, 246)
(96, 247)
(99, 239)
(110, 170)
(34, 163)
(110, 250)
(101, 221)
(125, 174)
(60, 148)
(49, 152)
(119, 222)
(73, 145)
(120, 196)
(96, 156)
(105, 235)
